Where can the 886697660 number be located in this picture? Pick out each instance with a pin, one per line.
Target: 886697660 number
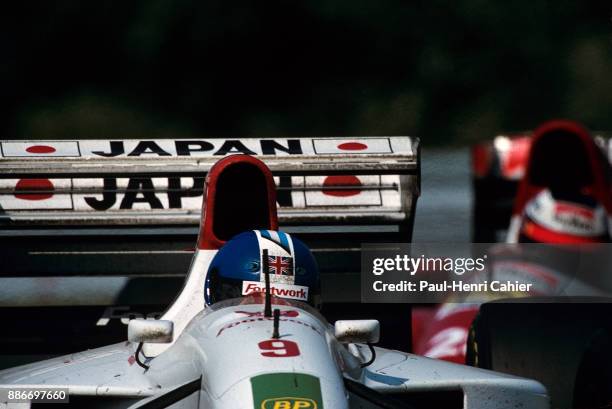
(42, 395)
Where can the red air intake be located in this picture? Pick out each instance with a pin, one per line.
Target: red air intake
(239, 195)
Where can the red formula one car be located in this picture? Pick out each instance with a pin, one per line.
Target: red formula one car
(548, 186)
(500, 166)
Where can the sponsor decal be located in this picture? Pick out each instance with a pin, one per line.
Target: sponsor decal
(292, 291)
(34, 189)
(576, 217)
(145, 193)
(140, 193)
(344, 181)
(330, 146)
(289, 403)
(40, 149)
(544, 235)
(551, 221)
(35, 194)
(352, 146)
(192, 147)
(343, 190)
(114, 194)
(211, 148)
(286, 391)
(571, 209)
(151, 148)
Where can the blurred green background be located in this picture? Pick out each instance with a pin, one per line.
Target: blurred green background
(450, 72)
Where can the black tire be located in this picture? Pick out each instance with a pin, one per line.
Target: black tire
(546, 339)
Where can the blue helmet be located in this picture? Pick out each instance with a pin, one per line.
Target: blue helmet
(236, 270)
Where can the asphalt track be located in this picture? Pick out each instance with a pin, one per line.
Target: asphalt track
(444, 208)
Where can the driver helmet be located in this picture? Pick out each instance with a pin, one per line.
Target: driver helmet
(555, 218)
(237, 268)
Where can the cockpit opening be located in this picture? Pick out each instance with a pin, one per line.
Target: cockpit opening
(241, 201)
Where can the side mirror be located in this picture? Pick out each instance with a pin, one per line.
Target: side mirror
(153, 331)
(357, 331)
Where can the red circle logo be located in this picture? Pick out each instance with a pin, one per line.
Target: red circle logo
(352, 146)
(344, 181)
(30, 187)
(40, 149)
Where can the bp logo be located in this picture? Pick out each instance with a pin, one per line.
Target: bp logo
(286, 391)
(289, 403)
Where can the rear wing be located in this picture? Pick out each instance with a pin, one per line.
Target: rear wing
(134, 183)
